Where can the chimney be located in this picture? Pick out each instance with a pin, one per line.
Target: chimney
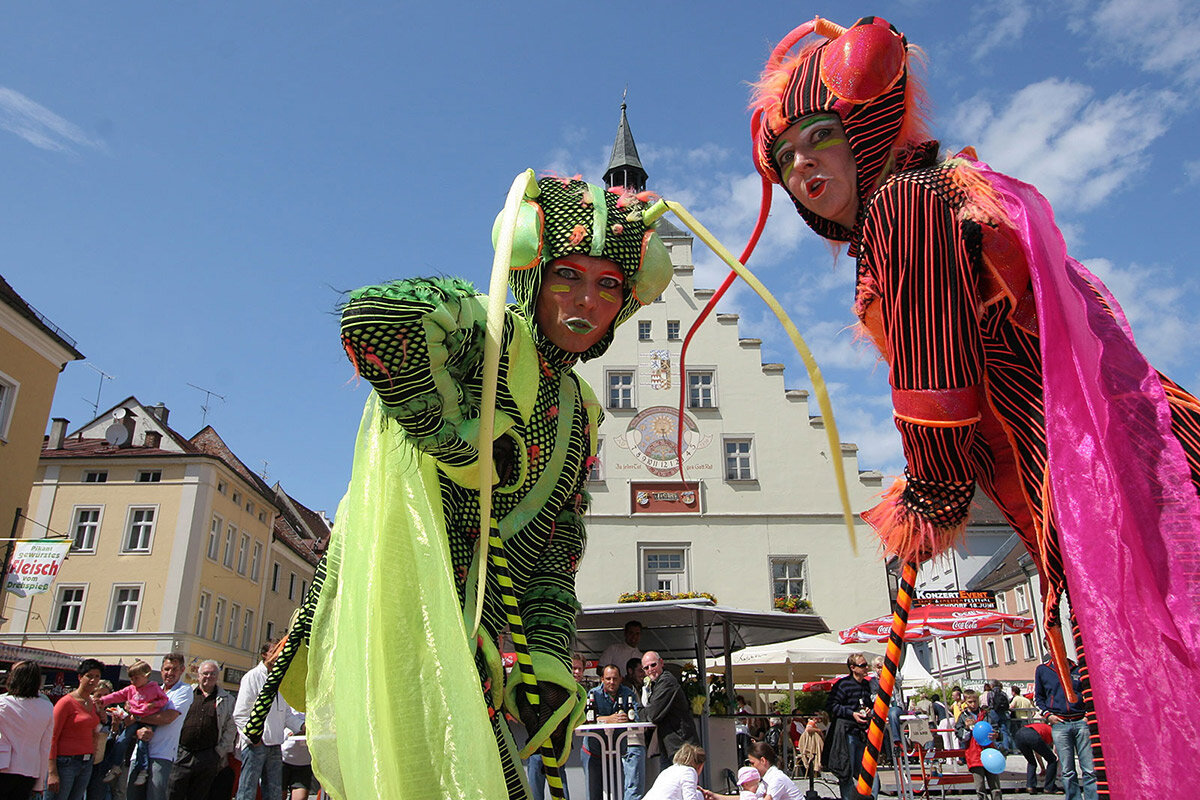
(152, 439)
(58, 432)
(160, 413)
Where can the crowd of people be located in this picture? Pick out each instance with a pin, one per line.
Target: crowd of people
(172, 740)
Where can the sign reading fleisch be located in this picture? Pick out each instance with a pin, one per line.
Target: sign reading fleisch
(34, 565)
(654, 497)
(651, 437)
(956, 597)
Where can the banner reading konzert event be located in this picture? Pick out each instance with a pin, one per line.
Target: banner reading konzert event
(34, 565)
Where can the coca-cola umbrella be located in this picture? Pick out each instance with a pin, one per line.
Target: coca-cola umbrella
(939, 622)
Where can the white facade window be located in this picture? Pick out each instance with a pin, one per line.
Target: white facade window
(68, 608)
(262, 516)
(291, 586)
(230, 536)
(214, 538)
(139, 532)
(991, 653)
(222, 487)
(126, 600)
(1002, 603)
(85, 528)
(739, 464)
(1030, 651)
(643, 330)
(702, 386)
(256, 562)
(673, 330)
(789, 578)
(249, 507)
(235, 616)
(95, 476)
(237, 498)
(1022, 600)
(218, 619)
(275, 577)
(596, 469)
(149, 476)
(202, 613)
(303, 588)
(1010, 652)
(243, 553)
(620, 388)
(664, 570)
(270, 630)
(247, 629)
(8, 402)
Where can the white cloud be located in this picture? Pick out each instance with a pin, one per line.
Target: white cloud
(38, 125)
(1192, 170)
(1159, 306)
(1056, 134)
(1001, 24)
(1158, 35)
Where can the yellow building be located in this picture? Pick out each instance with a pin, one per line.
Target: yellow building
(175, 546)
(33, 351)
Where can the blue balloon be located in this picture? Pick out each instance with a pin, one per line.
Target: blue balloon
(993, 760)
(982, 731)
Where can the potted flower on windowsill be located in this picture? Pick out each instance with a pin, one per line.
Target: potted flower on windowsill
(643, 597)
(793, 605)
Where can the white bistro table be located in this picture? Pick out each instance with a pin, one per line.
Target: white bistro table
(610, 735)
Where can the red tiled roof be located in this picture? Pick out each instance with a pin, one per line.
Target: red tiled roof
(209, 442)
(76, 447)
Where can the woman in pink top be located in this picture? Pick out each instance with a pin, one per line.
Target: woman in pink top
(73, 742)
(26, 725)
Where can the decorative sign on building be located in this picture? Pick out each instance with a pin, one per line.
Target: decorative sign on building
(651, 437)
(34, 565)
(955, 597)
(655, 497)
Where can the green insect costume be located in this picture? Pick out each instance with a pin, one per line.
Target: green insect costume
(380, 654)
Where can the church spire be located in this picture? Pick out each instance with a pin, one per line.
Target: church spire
(625, 168)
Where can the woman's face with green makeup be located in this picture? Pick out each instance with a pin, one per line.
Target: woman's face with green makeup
(578, 301)
(817, 167)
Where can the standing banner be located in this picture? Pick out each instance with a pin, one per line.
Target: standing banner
(34, 565)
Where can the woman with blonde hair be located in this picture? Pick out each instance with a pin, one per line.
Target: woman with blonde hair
(681, 780)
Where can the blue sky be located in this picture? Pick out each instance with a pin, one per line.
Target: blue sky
(188, 189)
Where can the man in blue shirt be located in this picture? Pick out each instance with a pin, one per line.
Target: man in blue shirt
(614, 703)
(1069, 730)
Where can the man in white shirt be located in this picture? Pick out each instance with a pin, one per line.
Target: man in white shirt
(619, 653)
(164, 737)
(261, 761)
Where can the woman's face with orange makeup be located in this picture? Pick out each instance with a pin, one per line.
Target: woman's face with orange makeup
(578, 301)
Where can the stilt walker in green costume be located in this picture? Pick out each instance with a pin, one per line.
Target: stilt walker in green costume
(403, 700)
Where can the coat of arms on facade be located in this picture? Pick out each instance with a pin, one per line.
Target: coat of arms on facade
(651, 438)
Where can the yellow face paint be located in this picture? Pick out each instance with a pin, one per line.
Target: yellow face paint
(558, 288)
(608, 297)
(828, 143)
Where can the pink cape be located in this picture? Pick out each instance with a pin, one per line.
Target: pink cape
(1127, 512)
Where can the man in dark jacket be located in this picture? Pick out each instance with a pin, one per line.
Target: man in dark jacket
(668, 708)
(849, 707)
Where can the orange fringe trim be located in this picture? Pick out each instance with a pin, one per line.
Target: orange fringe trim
(983, 202)
(906, 535)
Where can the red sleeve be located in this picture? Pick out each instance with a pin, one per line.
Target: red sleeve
(62, 715)
(915, 258)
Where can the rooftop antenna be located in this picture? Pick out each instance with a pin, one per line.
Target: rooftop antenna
(104, 376)
(264, 469)
(208, 395)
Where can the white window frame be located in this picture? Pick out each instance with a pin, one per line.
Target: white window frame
(1030, 648)
(789, 579)
(647, 551)
(990, 645)
(291, 586)
(213, 552)
(644, 330)
(247, 628)
(76, 522)
(202, 604)
(243, 553)
(614, 396)
(222, 487)
(218, 619)
(10, 389)
(116, 603)
(270, 631)
(237, 498)
(673, 330)
(235, 617)
(256, 561)
(149, 476)
(698, 393)
(130, 522)
(596, 470)
(95, 476)
(1010, 651)
(60, 602)
(230, 538)
(750, 472)
(276, 570)
(1022, 599)
(1002, 602)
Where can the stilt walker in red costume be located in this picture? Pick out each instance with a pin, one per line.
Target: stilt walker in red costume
(1013, 370)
